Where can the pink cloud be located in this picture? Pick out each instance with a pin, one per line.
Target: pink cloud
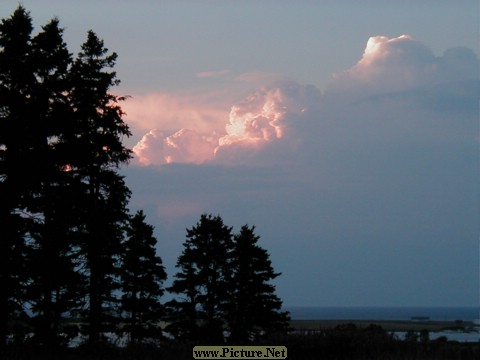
(170, 112)
(276, 119)
(256, 119)
(184, 146)
(388, 64)
(251, 125)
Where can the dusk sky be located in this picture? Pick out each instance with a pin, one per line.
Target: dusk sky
(345, 131)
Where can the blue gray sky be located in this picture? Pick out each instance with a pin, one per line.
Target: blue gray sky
(345, 131)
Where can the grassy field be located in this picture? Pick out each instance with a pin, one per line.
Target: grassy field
(389, 325)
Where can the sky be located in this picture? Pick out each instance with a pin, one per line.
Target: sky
(346, 131)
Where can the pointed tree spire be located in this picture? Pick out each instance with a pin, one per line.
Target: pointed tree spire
(203, 280)
(141, 278)
(224, 284)
(15, 35)
(95, 148)
(254, 308)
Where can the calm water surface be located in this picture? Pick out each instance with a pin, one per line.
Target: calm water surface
(396, 313)
(383, 313)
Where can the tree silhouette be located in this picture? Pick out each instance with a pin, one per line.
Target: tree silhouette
(203, 280)
(33, 104)
(141, 280)
(63, 203)
(54, 289)
(15, 33)
(254, 307)
(96, 151)
(225, 284)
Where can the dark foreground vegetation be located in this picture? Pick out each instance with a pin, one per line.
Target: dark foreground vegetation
(345, 341)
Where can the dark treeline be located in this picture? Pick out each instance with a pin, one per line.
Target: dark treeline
(344, 342)
(75, 263)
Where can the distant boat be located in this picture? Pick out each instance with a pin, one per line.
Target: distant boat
(420, 318)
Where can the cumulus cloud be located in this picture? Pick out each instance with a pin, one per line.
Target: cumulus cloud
(400, 63)
(184, 146)
(171, 112)
(458, 64)
(385, 158)
(387, 65)
(257, 119)
(274, 119)
(251, 125)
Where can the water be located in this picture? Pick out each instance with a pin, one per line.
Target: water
(468, 314)
(384, 313)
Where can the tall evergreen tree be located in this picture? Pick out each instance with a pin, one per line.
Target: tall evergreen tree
(62, 199)
(33, 77)
(141, 279)
(225, 284)
(53, 291)
(203, 280)
(34, 111)
(254, 308)
(94, 142)
(15, 81)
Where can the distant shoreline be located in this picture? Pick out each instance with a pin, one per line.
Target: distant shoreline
(386, 313)
(389, 325)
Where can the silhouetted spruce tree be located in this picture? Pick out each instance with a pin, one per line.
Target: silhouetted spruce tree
(203, 281)
(254, 309)
(54, 289)
(15, 81)
(95, 147)
(33, 84)
(63, 203)
(141, 278)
